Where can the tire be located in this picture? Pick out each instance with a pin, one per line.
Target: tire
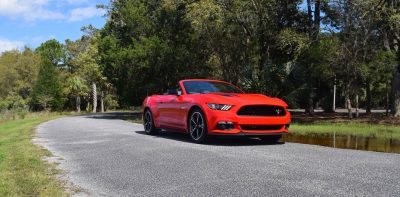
(197, 126)
(148, 123)
(271, 138)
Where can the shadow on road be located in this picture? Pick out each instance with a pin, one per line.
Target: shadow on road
(214, 140)
(116, 115)
(171, 135)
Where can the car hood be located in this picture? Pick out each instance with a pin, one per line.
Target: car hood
(242, 99)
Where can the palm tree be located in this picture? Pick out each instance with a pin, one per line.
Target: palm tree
(76, 86)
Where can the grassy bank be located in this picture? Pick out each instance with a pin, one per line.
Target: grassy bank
(22, 170)
(355, 129)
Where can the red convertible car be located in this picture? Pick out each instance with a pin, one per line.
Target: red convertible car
(204, 107)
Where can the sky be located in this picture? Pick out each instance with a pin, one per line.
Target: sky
(31, 22)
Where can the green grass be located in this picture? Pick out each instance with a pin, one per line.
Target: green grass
(22, 170)
(355, 129)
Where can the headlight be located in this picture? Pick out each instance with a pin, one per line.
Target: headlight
(222, 107)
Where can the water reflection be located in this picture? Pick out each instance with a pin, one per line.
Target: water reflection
(372, 143)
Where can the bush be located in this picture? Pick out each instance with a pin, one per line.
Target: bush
(22, 114)
(110, 102)
(3, 105)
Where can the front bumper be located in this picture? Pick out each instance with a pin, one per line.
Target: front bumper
(246, 125)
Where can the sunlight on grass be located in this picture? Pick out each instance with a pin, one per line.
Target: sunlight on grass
(356, 129)
(22, 170)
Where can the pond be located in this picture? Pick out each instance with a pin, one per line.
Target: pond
(370, 143)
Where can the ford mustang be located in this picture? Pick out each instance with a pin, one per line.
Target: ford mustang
(202, 107)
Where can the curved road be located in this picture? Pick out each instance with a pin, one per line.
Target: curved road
(106, 156)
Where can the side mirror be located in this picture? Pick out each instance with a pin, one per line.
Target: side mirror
(172, 91)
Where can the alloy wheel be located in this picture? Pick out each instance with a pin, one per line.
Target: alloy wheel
(148, 122)
(196, 126)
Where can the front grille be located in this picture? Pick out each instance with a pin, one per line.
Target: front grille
(261, 127)
(261, 110)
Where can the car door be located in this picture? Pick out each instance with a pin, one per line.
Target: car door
(176, 112)
(165, 114)
(174, 108)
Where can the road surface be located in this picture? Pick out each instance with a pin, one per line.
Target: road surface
(106, 156)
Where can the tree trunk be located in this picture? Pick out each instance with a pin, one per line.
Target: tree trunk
(395, 100)
(357, 110)
(334, 96)
(310, 106)
(348, 101)
(317, 20)
(387, 100)
(310, 20)
(94, 96)
(78, 103)
(349, 108)
(368, 100)
(310, 103)
(102, 101)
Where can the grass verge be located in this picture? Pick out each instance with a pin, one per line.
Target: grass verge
(22, 170)
(355, 129)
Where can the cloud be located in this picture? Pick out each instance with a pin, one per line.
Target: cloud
(79, 14)
(7, 45)
(29, 10)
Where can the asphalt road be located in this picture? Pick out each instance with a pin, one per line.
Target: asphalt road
(106, 156)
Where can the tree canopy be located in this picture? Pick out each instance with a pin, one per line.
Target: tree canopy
(300, 51)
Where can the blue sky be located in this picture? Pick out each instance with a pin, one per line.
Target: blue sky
(31, 22)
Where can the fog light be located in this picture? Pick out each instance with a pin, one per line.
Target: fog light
(225, 125)
(221, 125)
(287, 126)
(229, 125)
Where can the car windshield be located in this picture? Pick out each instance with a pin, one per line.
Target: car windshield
(204, 87)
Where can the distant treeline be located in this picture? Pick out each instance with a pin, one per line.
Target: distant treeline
(298, 51)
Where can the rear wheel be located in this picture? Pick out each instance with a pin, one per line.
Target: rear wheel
(271, 138)
(148, 123)
(197, 126)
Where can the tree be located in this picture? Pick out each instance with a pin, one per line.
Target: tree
(147, 46)
(47, 91)
(18, 73)
(89, 69)
(77, 88)
(389, 12)
(53, 51)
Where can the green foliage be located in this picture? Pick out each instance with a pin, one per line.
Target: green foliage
(18, 73)
(3, 105)
(147, 46)
(76, 86)
(271, 47)
(53, 51)
(354, 129)
(47, 92)
(111, 101)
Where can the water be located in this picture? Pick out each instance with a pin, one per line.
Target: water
(371, 143)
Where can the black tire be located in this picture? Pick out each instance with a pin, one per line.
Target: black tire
(148, 123)
(197, 126)
(271, 138)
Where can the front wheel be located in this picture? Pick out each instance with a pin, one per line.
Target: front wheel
(197, 126)
(148, 123)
